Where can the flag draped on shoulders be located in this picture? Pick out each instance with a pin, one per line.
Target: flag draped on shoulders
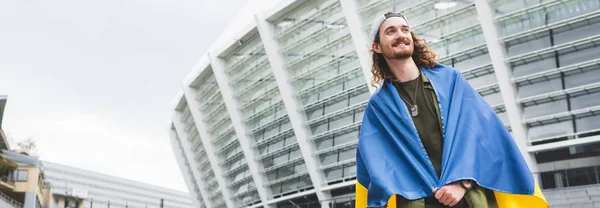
(391, 159)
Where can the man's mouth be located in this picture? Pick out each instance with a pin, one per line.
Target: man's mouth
(401, 43)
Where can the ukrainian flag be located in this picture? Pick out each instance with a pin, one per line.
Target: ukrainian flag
(391, 159)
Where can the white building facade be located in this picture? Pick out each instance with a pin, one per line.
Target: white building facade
(269, 117)
(105, 191)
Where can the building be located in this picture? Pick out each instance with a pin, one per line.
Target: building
(21, 179)
(23, 184)
(269, 117)
(4, 141)
(96, 190)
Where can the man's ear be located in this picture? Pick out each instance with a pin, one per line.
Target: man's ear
(376, 47)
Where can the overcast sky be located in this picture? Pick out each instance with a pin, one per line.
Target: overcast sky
(93, 81)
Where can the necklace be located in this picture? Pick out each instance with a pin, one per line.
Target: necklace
(414, 109)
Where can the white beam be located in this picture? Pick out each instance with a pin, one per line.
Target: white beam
(563, 144)
(187, 149)
(242, 132)
(508, 91)
(293, 107)
(181, 159)
(360, 39)
(340, 185)
(205, 137)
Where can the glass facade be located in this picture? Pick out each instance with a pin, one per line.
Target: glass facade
(219, 127)
(327, 80)
(551, 47)
(266, 118)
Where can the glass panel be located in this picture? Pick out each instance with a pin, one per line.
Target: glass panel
(585, 101)
(588, 123)
(550, 130)
(473, 62)
(271, 176)
(304, 181)
(349, 171)
(483, 80)
(348, 154)
(341, 122)
(539, 88)
(493, 99)
(280, 159)
(334, 174)
(359, 116)
(300, 168)
(581, 79)
(276, 189)
(275, 146)
(345, 138)
(533, 67)
(360, 98)
(579, 56)
(285, 172)
(319, 128)
(328, 159)
(295, 154)
(532, 45)
(325, 143)
(289, 186)
(315, 113)
(268, 162)
(577, 33)
(336, 106)
(545, 109)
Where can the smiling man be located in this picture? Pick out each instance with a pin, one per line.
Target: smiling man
(428, 139)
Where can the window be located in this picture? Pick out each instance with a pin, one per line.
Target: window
(21, 175)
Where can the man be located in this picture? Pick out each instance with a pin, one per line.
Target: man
(428, 139)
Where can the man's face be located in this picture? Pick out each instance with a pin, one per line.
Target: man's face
(395, 40)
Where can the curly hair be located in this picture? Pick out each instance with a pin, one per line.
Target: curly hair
(422, 55)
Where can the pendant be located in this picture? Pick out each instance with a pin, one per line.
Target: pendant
(414, 111)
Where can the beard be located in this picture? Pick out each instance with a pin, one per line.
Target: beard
(390, 53)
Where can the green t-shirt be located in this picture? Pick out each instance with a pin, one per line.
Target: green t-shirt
(428, 121)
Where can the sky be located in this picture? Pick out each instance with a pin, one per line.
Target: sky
(93, 82)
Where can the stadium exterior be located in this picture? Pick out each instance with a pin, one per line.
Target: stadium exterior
(269, 117)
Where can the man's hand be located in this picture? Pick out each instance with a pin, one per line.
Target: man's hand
(450, 194)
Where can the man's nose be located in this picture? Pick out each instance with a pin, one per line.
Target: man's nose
(399, 36)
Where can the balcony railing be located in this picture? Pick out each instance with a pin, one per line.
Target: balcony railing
(10, 200)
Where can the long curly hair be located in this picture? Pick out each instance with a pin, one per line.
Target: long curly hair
(422, 55)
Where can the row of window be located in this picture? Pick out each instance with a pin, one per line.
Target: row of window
(562, 89)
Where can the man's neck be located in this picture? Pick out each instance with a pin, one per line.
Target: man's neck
(403, 69)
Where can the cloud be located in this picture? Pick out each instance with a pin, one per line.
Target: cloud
(93, 82)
